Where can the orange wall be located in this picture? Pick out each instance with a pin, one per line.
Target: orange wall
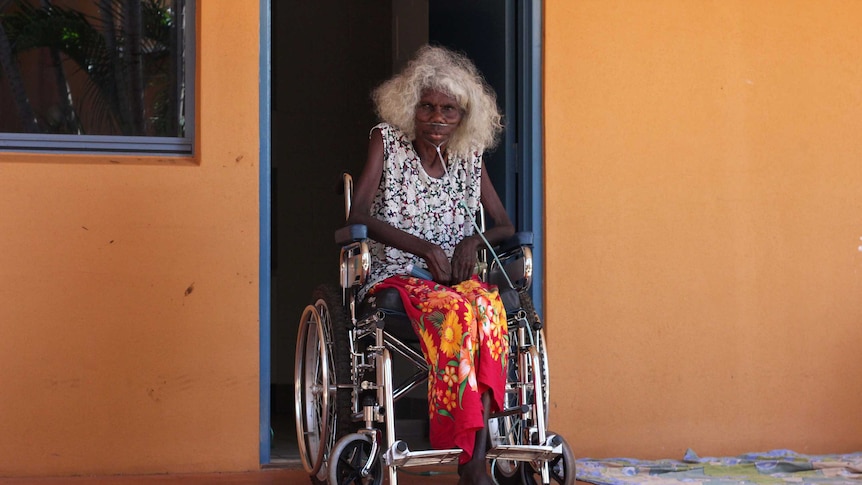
(704, 215)
(129, 290)
(703, 196)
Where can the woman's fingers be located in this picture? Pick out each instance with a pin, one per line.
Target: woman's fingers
(439, 266)
(464, 260)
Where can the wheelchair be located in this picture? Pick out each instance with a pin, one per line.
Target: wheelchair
(344, 387)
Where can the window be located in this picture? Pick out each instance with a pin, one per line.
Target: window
(97, 76)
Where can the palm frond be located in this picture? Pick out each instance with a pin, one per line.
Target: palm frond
(100, 47)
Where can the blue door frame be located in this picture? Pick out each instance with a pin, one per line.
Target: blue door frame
(265, 258)
(530, 166)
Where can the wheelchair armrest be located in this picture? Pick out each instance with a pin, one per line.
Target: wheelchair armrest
(350, 234)
(513, 263)
(524, 238)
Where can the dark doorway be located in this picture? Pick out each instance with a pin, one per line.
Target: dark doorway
(327, 56)
(485, 30)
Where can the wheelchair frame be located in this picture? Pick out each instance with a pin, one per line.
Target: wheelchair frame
(338, 350)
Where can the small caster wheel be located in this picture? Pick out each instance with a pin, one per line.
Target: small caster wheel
(349, 456)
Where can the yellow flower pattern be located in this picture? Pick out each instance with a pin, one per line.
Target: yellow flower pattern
(429, 347)
(450, 376)
(450, 334)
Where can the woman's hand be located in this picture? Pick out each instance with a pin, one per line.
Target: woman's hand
(464, 259)
(438, 264)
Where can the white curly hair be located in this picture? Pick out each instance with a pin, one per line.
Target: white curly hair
(451, 73)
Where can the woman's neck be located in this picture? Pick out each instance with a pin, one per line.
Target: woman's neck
(431, 156)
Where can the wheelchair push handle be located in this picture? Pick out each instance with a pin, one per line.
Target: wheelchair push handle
(345, 187)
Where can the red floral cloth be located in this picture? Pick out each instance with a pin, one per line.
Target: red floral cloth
(463, 334)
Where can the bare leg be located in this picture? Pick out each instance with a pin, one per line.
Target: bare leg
(475, 471)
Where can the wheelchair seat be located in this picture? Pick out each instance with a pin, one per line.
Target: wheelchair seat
(396, 323)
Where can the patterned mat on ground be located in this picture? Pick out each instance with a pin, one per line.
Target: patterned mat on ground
(773, 467)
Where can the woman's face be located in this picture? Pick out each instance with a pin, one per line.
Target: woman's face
(437, 117)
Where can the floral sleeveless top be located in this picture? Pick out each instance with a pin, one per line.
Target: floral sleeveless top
(427, 207)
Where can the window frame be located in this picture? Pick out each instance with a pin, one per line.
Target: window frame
(126, 145)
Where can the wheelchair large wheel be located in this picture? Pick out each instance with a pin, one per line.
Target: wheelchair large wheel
(538, 335)
(523, 371)
(349, 456)
(515, 429)
(323, 410)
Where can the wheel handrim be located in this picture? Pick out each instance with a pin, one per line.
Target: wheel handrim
(330, 410)
(312, 388)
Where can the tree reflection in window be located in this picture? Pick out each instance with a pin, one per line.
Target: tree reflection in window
(92, 67)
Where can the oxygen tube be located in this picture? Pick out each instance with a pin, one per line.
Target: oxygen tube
(487, 244)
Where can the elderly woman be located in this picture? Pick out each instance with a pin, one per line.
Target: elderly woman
(418, 195)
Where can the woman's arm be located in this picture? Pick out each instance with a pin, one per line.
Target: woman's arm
(466, 253)
(360, 213)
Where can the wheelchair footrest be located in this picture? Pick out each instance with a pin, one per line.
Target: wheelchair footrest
(524, 452)
(401, 456)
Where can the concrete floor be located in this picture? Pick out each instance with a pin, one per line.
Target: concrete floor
(268, 476)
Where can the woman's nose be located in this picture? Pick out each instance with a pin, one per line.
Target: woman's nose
(437, 115)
